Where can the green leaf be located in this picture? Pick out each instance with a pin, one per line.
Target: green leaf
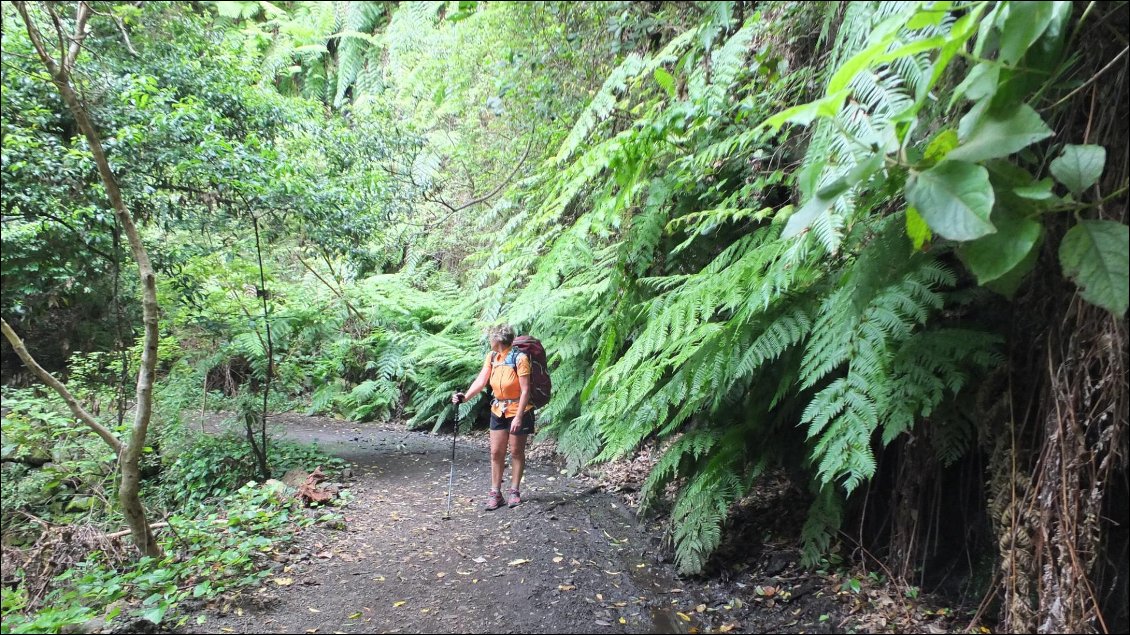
(1094, 255)
(917, 228)
(992, 256)
(1007, 284)
(1024, 25)
(881, 39)
(828, 194)
(804, 114)
(1037, 191)
(981, 82)
(230, 9)
(666, 81)
(815, 206)
(941, 145)
(931, 17)
(155, 614)
(993, 136)
(1079, 167)
(955, 198)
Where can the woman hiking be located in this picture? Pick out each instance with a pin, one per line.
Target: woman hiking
(507, 370)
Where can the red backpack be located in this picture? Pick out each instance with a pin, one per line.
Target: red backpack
(540, 385)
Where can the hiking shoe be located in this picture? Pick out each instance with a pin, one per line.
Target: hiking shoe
(514, 498)
(494, 501)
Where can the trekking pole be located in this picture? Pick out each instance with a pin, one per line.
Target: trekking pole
(451, 477)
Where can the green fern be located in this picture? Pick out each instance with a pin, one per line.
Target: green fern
(651, 258)
(356, 65)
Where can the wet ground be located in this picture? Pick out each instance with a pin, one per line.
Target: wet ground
(571, 558)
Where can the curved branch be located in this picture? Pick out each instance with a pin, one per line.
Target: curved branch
(501, 186)
(57, 386)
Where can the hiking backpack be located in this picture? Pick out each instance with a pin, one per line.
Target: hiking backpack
(540, 385)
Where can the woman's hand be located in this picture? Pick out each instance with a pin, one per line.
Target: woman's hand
(516, 424)
(458, 398)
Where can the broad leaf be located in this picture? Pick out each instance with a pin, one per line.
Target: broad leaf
(1008, 284)
(941, 145)
(1094, 255)
(1037, 191)
(1024, 25)
(882, 36)
(981, 82)
(917, 229)
(931, 17)
(992, 256)
(994, 136)
(1079, 167)
(828, 194)
(815, 206)
(955, 198)
(804, 114)
(666, 81)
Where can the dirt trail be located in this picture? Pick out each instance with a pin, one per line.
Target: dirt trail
(569, 559)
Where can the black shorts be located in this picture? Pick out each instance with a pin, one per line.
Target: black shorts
(503, 423)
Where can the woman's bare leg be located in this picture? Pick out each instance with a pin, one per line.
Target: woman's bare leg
(497, 457)
(517, 459)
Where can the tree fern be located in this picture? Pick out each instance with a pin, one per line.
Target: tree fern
(357, 46)
(865, 127)
(679, 298)
(842, 416)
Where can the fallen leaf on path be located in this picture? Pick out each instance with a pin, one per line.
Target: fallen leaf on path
(479, 560)
(440, 574)
(602, 623)
(312, 609)
(519, 561)
(565, 587)
(283, 581)
(726, 628)
(354, 616)
(400, 603)
(700, 608)
(558, 559)
(623, 621)
(686, 618)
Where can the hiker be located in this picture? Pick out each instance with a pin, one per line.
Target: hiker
(511, 413)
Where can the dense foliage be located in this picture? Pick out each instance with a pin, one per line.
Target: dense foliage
(807, 237)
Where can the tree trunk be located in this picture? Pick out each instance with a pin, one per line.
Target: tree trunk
(130, 456)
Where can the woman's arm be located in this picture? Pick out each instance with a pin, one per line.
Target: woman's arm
(524, 383)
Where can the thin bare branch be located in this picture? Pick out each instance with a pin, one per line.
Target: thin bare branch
(79, 36)
(58, 387)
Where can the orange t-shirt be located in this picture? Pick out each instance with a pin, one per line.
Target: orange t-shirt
(504, 382)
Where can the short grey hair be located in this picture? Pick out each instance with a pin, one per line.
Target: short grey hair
(503, 334)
